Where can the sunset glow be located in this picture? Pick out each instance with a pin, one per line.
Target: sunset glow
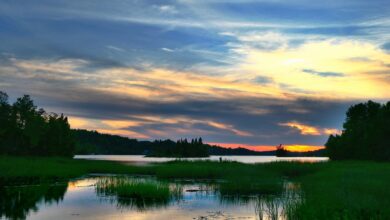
(185, 69)
(293, 148)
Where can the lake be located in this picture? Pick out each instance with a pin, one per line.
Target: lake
(141, 159)
(146, 197)
(85, 198)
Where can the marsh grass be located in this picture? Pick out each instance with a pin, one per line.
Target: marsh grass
(346, 190)
(139, 193)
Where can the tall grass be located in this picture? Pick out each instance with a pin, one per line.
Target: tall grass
(139, 193)
(346, 190)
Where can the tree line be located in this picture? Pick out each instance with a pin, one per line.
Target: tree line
(27, 130)
(365, 135)
(181, 148)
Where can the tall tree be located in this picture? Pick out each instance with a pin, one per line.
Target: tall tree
(27, 130)
(366, 134)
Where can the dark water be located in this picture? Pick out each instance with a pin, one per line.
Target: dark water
(81, 199)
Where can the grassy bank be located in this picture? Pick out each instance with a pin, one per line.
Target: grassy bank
(22, 170)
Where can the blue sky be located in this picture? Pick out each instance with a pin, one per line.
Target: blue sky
(256, 73)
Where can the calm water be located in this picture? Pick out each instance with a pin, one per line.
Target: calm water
(244, 159)
(80, 199)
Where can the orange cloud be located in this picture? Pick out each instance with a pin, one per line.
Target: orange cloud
(229, 128)
(310, 130)
(330, 131)
(303, 129)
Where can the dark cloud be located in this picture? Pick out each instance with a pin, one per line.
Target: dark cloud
(324, 74)
(263, 80)
(386, 47)
(81, 102)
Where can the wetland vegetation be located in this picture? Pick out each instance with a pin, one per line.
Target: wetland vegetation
(328, 190)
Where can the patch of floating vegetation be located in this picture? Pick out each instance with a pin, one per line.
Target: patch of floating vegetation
(138, 193)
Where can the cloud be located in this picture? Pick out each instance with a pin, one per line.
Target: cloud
(309, 130)
(386, 46)
(303, 129)
(162, 103)
(324, 74)
(115, 48)
(234, 71)
(167, 9)
(167, 49)
(258, 40)
(333, 74)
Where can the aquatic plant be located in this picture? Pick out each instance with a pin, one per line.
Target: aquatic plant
(139, 193)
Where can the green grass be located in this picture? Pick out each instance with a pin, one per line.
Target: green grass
(347, 190)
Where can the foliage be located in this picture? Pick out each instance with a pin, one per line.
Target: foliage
(93, 142)
(27, 130)
(281, 151)
(182, 148)
(366, 134)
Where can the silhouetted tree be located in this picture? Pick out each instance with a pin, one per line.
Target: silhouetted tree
(281, 151)
(27, 130)
(365, 135)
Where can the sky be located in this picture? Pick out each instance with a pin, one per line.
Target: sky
(246, 73)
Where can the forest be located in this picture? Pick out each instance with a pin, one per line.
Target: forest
(365, 135)
(27, 130)
(93, 142)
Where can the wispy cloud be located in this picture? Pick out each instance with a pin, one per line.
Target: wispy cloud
(167, 49)
(324, 74)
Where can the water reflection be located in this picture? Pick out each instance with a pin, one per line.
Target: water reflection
(279, 207)
(17, 201)
(270, 206)
(117, 197)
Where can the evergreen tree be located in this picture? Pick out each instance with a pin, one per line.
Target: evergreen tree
(27, 130)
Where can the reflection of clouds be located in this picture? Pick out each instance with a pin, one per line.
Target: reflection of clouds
(75, 185)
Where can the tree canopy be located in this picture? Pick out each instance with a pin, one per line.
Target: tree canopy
(27, 130)
(365, 135)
